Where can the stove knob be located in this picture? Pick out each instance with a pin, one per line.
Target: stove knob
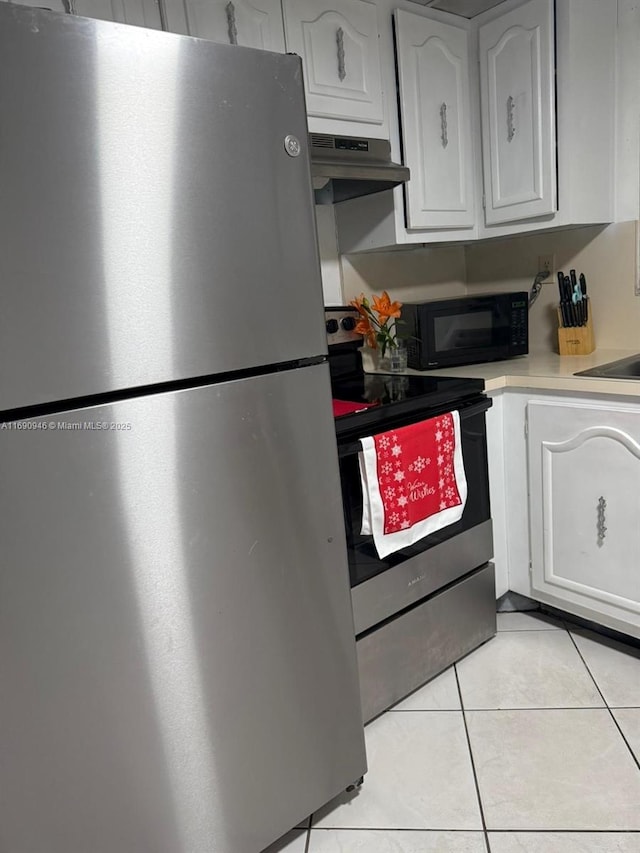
(348, 323)
(332, 327)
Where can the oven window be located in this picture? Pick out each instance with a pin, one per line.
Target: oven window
(364, 562)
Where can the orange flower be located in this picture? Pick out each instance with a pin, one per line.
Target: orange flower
(385, 308)
(359, 304)
(363, 327)
(373, 322)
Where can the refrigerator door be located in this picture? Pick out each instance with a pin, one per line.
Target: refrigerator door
(154, 224)
(177, 655)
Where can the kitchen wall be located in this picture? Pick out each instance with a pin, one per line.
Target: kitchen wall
(605, 254)
(607, 257)
(406, 275)
(329, 258)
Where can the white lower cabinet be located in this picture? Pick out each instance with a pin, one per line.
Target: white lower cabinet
(584, 509)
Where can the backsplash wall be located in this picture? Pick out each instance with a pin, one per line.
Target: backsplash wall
(409, 276)
(605, 254)
(607, 257)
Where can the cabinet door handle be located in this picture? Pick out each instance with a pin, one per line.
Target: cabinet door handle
(342, 71)
(444, 137)
(602, 505)
(511, 128)
(230, 9)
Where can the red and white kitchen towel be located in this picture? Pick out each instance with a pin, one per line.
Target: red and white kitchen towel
(413, 482)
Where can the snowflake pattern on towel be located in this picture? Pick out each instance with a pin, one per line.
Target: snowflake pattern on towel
(416, 473)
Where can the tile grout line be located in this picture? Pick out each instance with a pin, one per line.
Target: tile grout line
(529, 630)
(514, 708)
(473, 764)
(567, 831)
(611, 714)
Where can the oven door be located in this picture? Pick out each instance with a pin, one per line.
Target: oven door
(383, 587)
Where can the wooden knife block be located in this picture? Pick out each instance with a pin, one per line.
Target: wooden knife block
(577, 340)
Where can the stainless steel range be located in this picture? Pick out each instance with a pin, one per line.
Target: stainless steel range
(419, 609)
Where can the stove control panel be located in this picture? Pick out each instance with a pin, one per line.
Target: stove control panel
(340, 323)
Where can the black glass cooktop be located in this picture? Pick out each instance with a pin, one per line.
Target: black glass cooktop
(396, 395)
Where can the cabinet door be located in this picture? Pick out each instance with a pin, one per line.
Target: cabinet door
(250, 23)
(338, 42)
(141, 13)
(518, 113)
(584, 467)
(49, 5)
(434, 106)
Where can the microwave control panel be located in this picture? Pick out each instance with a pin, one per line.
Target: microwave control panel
(519, 324)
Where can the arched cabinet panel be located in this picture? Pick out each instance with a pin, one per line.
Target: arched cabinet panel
(338, 43)
(248, 23)
(518, 113)
(435, 112)
(584, 493)
(138, 13)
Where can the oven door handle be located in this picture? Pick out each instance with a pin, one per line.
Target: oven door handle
(465, 411)
(475, 408)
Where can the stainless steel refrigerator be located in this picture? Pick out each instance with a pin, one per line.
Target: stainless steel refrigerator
(177, 658)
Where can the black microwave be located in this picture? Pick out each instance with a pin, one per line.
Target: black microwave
(465, 329)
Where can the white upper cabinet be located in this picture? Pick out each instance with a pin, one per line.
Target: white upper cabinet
(542, 124)
(436, 127)
(50, 5)
(338, 43)
(250, 23)
(139, 13)
(518, 113)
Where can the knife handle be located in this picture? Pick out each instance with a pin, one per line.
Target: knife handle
(573, 279)
(583, 288)
(583, 284)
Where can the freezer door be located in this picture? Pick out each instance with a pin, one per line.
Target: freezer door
(177, 655)
(154, 224)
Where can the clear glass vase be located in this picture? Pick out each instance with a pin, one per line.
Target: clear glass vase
(397, 357)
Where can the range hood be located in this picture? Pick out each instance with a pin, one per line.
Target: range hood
(345, 167)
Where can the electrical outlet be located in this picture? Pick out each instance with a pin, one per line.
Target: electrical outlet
(547, 263)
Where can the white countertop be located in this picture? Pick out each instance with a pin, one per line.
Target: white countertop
(550, 372)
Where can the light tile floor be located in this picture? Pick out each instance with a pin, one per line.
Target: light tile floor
(530, 744)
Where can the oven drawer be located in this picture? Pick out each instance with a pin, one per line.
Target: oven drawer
(401, 655)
